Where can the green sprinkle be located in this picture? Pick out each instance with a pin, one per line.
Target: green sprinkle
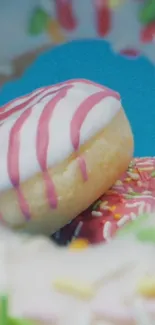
(39, 22)
(134, 193)
(96, 205)
(4, 310)
(134, 226)
(18, 321)
(147, 14)
(153, 173)
(146, 235)
(131, 165)
(130, 195)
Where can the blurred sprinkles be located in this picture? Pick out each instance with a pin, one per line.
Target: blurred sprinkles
(132, 195)
(147, 17)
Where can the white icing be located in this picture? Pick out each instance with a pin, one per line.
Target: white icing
(60, 146)
(35, 263)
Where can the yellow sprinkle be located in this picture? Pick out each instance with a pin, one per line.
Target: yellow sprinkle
(79, 244)
(55, 32)
(103, 204)
(118, 183)
(117, 216)
(146, 287)
(112, 208)
(128, 179)
(145, 168)
(115, 3)
(74, 288)
(133, 176)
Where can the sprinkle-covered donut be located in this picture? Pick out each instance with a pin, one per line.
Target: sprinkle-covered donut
(61, 147)
(132, 194)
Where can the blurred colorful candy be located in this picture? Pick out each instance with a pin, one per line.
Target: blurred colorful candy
(65, 14)
(113, 4)
(38, 22)
(148, 33)
(103, 17)
(147, 13)
(132, 53)
(55, 32)
(41, 22)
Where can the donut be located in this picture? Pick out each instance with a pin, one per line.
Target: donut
(61, 148)
(96, 284)
(133, 193)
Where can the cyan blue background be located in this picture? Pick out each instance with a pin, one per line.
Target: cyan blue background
(134, 79)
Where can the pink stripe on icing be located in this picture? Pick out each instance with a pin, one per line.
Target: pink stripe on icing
(42, 142)
(23, 105)
(13, 160)
(24, 207)
(23, 98)
(50, 190)
(17, 108)
(82, 112)
(88, 82)
(83, 167)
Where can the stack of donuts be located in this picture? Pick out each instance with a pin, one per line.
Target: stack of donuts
(66, 162)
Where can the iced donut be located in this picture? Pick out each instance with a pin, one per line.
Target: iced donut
(61, 147)
(132, 194)
(111, 284)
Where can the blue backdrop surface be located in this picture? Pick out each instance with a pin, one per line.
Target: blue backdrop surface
(134, 79)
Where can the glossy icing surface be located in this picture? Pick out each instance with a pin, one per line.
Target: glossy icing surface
(41, 129)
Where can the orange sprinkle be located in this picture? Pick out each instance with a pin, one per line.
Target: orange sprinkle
(112, 208)
(134, 176)
(128, 179)
(117, 216)
(55, 32)
(79, 244)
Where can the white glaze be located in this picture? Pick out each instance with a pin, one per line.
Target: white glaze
(35, 263)
(60, 146)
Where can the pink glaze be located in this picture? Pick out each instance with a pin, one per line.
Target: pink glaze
(103, 17)
(13, 160)
(130, 52)
(23, 204)
(148, 33)
(42, 142)
(4, 113)
(83, 167)
(82, 112)
(65, 14)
